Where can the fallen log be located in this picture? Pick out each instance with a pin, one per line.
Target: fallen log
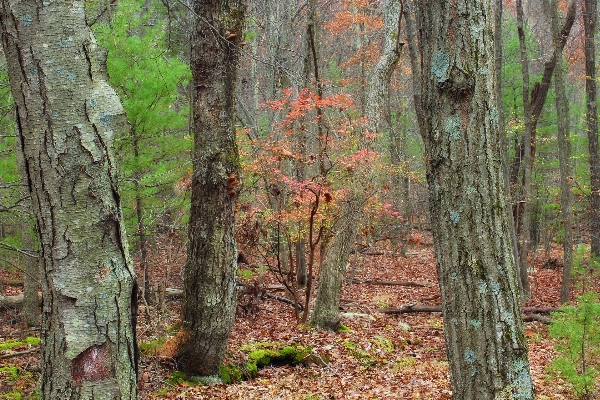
(410, 308)
(537, 317)
(391, 283)
(176, 292)
(16, 301)
(413, 308)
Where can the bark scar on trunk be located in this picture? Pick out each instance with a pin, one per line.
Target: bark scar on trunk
(91, 365)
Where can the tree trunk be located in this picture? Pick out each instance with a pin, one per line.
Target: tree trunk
(326, 314)
(564, 155)
(31, 265)
(522, 212)
(501, 126)
(590, 16)
(209, 277)
(67, 118)
(533, 105)
(486, 347)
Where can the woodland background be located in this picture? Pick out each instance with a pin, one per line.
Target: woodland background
(298, 137)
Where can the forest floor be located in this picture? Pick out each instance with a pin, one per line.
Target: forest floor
(379, 356)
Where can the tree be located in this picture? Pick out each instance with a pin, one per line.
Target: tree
(564, 155)
(476, 269)
(590, 17)
(533, 104)
(327, 303)
(147, 77)
(209, 277)
(67, 117)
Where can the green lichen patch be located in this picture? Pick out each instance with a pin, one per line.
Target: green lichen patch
(452, 128)
(440, 65)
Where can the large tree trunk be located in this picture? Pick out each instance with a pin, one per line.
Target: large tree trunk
(209, 277)
(67, 117)
(590, 16)
(485, 343)
(564, 156)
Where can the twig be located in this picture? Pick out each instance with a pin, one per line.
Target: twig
(19, 353)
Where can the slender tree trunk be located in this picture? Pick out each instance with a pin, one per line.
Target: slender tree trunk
(565, 158)
(487, 350)
(141, 228)
(522, 213)
(326, 314)
(590, 16)
(67, 118)
(209, 277)
(501, 127)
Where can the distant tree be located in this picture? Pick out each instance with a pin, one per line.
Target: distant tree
(486, 347)
(326, 314)
(209, 277)
(590, 17)
(564, 153)
(67, 118)
(148, 79)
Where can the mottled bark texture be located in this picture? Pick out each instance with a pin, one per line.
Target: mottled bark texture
(67, 117)
(31, 264)
(209, 287)
(486, 347)
(326, 314)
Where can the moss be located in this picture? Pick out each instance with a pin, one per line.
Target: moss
(9, 344)
(12, 396)
(177, 377)
(245, 274)
(152, 347)
(261, 357)
(262, 354)
(384, 343)
(12, 371)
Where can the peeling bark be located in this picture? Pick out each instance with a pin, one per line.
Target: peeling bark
(67, 117)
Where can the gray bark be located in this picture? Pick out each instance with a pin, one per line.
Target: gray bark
(326, 313)
(209, 275)
(523, 207)
(67, 117)
(486, 347)
(590, 17)
(564, 156)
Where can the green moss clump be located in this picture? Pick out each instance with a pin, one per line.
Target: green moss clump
(230, 373)
(152, 347)
(9, 344)
(178, 377)
(262, 354)
(11, 370)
